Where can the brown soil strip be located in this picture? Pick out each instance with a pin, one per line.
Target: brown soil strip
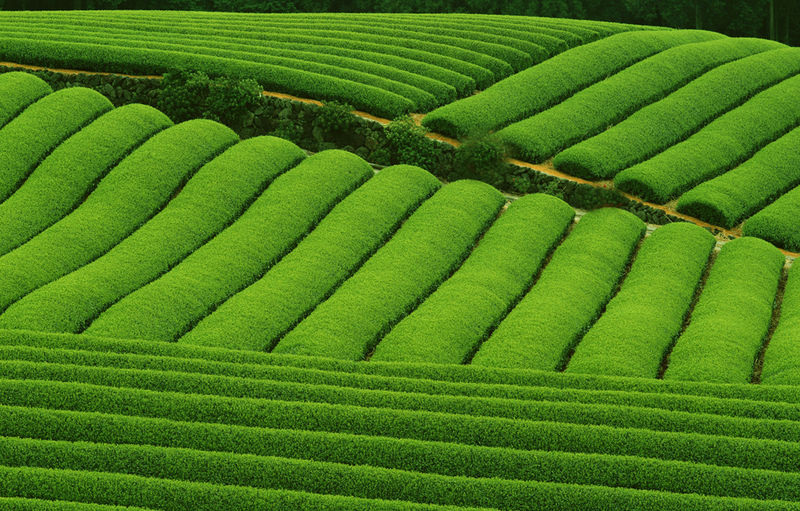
(545, 168)
(75, 71)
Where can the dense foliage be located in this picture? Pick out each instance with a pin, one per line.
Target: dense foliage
(734, 17)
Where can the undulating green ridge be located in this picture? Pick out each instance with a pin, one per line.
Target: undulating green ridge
(450, 325)
(730, 198)
(193, 321)
(543, 86)
(239, 254)
(568, 296)
(261, 313)
(18, 91)
(181, 433)
(608, 101)
(662, 114)
(730, 322)
(386, 64)
(61, 181)
(636, 331)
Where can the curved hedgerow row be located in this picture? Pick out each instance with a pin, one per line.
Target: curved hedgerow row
(236, 257)
(554, 37)
(125, 199)
(450, 324)
(424, 92)
(683, 437)
(533, 41)
(516, 53)
(241, 380)
(660, 125)
(544, 85)
(27, 139)
(434, 80)
(782, 357)
(498, 53)
(426, 378)
(222, 391)
(732, 317)
(721, 145)
(730, 198)
(605, 103)
(635, 332)
(273, 77)
(576, 26)
(66, 176)
(569, 295)
(777, 223)
(23, 504)
(158, 493)
(259, 315)
(212, 199)
(333, 478)
(460, 74)
(450, 47)
(426, 249)
(483, 69)
(447, 459)
(17, 91)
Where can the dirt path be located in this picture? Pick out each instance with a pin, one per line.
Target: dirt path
(545, 168)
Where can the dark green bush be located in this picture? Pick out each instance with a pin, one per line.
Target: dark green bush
(410, 145)
(482, 159)
(192, 94)
(334, 117)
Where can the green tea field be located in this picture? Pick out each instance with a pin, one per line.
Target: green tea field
(224, 298)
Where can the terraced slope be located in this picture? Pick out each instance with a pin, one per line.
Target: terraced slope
(385, 64)
(183, 233)
(92, 421)
(681, 115)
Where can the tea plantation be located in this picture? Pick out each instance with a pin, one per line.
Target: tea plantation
(194, 319)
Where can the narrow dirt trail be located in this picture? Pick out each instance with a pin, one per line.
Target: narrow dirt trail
(545, 168)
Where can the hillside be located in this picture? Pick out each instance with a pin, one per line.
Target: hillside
(382, 63)
(184, 233)
(203, 315)
(707, 127)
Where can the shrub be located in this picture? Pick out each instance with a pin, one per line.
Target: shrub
(429, 246)
(410, 145)
(640, 323)
(482, 159)
(357, 227)
(192, 94)
(270, 228)
(731, 319)
(568, 296)
(215, 196)
(450, 324)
